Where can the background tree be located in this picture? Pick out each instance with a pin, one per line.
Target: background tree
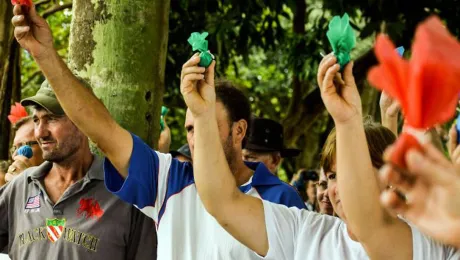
(270, 48)
(120, 47)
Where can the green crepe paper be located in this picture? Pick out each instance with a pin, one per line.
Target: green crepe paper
(199, 43)
(164, 111)
(342, 38)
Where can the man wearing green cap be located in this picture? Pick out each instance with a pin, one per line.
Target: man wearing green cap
(61, 209)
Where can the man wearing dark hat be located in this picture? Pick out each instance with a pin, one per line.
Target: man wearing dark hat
(266, 144)
(61, 209)
(182, 154)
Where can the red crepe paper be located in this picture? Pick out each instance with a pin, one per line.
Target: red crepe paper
(403, 144)
(27, 3)
(426, 86)
(17, 113)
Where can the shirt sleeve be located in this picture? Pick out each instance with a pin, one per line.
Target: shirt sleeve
(425, 247)
(293, 230)
(152, 179)
(282, 227)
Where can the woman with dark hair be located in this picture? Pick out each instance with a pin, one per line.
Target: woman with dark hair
(306, 186)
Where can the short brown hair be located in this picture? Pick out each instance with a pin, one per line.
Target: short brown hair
(235, 102)
(378, 139)
(22, 122)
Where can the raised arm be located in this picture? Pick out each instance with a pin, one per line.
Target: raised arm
(389, 111)
(383, 237)
(79, 103)
(241, 215)
(164, 142)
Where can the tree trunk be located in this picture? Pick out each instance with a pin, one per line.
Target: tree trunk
(120, 47)
(6, 12)
(10, 90)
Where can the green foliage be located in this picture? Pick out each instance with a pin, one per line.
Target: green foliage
(257, 46)
(31, 76)
(266, 83)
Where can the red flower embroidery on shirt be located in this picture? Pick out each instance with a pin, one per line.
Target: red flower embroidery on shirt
(91, 207)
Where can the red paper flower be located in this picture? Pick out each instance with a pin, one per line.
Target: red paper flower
(426, 86)
(17, 112)
(91, 207)
(27, 3)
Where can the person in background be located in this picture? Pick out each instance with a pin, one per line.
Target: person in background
(322, 195)
(389, 112)
(389, 115)
(306, 185)
(164, 141)
(182, 154)
(24, 135)
(265, 144)
(3, 169)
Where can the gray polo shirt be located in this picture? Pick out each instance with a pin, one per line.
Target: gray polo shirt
(88, 222)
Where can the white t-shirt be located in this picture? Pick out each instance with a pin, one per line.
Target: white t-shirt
(295, 234)
(164, 189)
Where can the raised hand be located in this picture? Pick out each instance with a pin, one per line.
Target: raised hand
(197, 86)
(453, 147)
(340, 95)
(164, 141)
(20, 164)
(389, 106)
(32, 31)
(431, 186)
(389, 110)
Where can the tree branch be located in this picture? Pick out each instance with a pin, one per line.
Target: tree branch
(32, 77)
(55, 9)
(39, 3)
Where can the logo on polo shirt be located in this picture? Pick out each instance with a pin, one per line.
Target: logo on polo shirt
(32, 204)
(90, 208)
(54, 228)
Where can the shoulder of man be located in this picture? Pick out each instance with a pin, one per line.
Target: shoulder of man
(24, 177)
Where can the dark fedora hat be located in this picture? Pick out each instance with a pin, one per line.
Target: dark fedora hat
(267, 135)
(184, 151)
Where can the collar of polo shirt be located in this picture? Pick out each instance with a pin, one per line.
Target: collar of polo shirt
(94, 172)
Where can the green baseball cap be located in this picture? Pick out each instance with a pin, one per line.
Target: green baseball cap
(46, 98)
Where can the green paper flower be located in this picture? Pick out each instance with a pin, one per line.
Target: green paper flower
(342, 38)
(206, 59)
(199, 43)
(164, 111)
